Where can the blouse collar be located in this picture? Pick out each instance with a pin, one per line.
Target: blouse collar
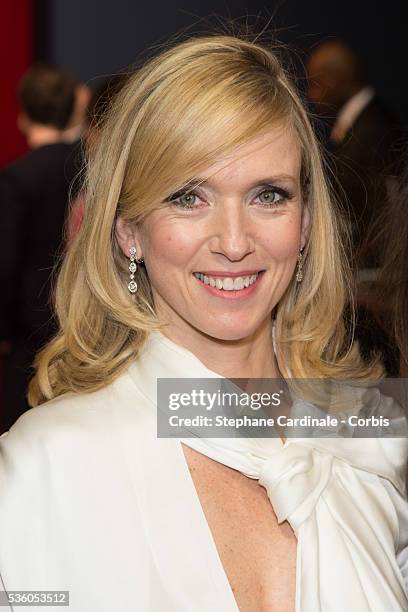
(160, 357)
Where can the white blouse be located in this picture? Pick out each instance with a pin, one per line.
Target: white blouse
(93, 503)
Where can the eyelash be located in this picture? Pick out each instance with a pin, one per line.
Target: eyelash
(285, 196)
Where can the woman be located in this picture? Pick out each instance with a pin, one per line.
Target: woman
(208, 169)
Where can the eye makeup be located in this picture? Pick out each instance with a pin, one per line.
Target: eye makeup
(283, 196)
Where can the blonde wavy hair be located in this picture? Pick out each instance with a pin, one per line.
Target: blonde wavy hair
(184, 109)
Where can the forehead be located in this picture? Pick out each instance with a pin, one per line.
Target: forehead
(275, 153)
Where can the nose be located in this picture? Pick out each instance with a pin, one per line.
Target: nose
(232, 233)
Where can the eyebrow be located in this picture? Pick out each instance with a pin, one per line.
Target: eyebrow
(196, 181)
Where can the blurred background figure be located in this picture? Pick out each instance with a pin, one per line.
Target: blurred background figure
(363, 136)
(390, 302)
(99, 103)
(34, 193)
(78, 125)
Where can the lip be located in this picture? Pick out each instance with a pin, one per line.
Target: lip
(228, 274)
(234, 295)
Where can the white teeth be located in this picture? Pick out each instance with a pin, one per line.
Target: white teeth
(227, 283)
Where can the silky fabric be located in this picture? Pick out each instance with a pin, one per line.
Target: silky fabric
(93, 502)
(332, 492)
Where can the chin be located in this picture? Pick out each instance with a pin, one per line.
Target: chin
(229, 332)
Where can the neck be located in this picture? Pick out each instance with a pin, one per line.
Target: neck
(250, 357)
(73, 133)
(40, 135)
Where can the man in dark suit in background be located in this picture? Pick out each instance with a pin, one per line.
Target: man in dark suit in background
(363, 139)
(34, 195)
(363, 135)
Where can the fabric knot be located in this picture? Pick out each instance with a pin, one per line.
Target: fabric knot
(294, 480)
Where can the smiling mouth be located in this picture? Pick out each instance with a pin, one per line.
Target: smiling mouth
(228, 283)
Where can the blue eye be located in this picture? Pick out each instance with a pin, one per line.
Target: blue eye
(274, 196)
(186, 200)
(189, 199)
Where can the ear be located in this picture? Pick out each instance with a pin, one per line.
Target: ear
(305, 227)
(127, 237)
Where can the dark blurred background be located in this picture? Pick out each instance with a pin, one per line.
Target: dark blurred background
(93, 38)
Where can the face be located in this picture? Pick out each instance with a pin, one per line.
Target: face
(325, 87)
(319, 84)
(220, 256)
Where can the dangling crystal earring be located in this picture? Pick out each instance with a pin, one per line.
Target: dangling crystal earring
(299, 271)
(132, 286)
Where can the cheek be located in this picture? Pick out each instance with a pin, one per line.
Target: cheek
(170, 244)
(282, 241)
